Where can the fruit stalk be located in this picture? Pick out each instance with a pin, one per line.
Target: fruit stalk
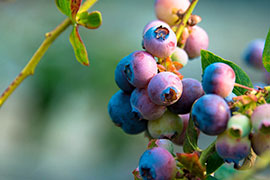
(29, 69)
(181, 26)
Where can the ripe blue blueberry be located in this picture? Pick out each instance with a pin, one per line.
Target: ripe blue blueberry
(218, 78)
(157, 164)
(260, 143)
(253, 53)
(180, 56)
(121, 114)
(120, 77)
(165, 88)
(144, 107)
(160, 41)
(232, 149)
(192, 90)
(166, 9)
(168, 126)
(140, 69)
(197, 40)
(261, 119)
(210, 114)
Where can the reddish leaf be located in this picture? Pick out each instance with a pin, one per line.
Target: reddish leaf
(136, 174)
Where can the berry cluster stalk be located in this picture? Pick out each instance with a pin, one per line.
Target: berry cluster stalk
(29, 69)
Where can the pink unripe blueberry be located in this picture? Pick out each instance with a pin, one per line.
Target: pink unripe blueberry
(156, 23)
(165, 88)
(166, 9)
(197, 40)
(160, 41)
(144, 107)
(218, 78)
(260, 119)
(140, 69)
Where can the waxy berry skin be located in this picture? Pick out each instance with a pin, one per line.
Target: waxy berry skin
(253, 53)
(160, 41)
(210, 114)
(197, 40)
(121, 114)
(120, 77)
(165, 88)
(192, 90)
(232, 149)
(166, 9)
(180, 56)
(218, 78)
(260, 143)
(168, 126)
(157, 164)
(165, 143)
(144, 107)
(156, 23)
(140, 69)
(260, 118)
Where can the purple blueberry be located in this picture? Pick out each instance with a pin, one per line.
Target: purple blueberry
(232, 149)
(146, 109)
(261, 119)
(120, 77)
(140, 69)
(210, 114)
(157, 164)
(260, 143)
(197, 40)
(168, 126)
(253, 53)
(218, 78)
(192, 90)
(160, 41)
(154, 23)
(121, 114)
(166, 9)
(180, 56)
(165, 88)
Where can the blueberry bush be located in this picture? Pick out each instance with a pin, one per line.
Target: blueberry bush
(171, 108)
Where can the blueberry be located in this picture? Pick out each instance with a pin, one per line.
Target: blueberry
(169, 126)
(166, 9)
(154, 23)
(197, 40)
(140, 69)
(120, 112)
(120, 77)
(144, 107)
(192, 90)
(230, 97)
(157, 164)
(218, 78)
(180, 56)
(165, 143)
(239, 125)
(232, 149)
(261, 119)
(160, 41)
(260, 143)
(179, 140)
(165, 88)
(210, 114)
(253, 53)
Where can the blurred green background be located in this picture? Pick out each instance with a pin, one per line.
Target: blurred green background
(56, 125)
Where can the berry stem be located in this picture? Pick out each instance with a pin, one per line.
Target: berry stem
(29, 69)
(181, 26)
(244, 87)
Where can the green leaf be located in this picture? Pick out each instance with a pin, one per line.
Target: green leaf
(208, 58)
(90, 20)
(266, 53)
(226, 171)
(191, 138)
(214, 161)
(211, 178)
(69, 7)
(192, 163)
(78, 46)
